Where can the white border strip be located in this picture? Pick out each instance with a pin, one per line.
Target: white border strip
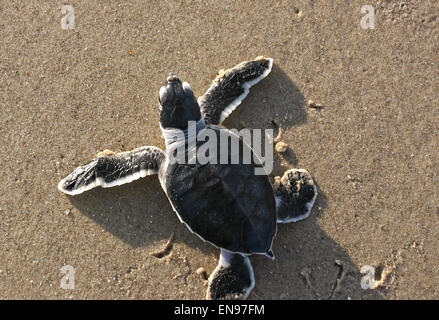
(246, 86)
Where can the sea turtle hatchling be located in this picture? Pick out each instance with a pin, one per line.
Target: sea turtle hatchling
(227, 205)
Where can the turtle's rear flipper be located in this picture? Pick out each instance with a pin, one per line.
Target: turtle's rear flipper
(295, 195)
(231, 87)
(113, 170)
(233, 278)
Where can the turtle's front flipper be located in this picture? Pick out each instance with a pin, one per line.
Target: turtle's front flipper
(233, 278)
(113, 170)
(295, 195)
(230, 87)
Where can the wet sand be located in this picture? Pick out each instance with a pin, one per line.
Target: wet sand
(372, 148)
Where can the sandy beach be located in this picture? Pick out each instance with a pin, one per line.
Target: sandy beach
(371, 146)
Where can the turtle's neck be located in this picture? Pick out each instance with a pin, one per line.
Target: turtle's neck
(174, 137)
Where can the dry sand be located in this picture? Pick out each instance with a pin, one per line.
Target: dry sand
(372, 148)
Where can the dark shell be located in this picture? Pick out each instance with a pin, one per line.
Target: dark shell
(226, 204)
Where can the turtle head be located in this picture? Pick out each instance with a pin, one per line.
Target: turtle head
(177, 104)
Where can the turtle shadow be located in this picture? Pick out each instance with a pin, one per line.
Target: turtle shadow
(276, 98)
(275, 103)
(309, 265)
(138, 213)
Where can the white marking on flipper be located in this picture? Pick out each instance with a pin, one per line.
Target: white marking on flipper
(246, 86)
(87, 187)
(100, 181)
(127, 179)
